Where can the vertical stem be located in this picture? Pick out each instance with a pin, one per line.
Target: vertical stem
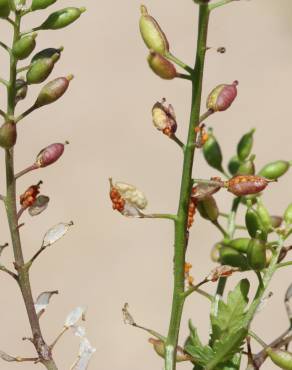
(186, 185)
(11, 209)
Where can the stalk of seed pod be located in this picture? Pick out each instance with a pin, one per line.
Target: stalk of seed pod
(8, 135)
(50, 154)
(53, 91)
(24, 46)
(161, 66)
(245, 185)
(151, 33)
(274, 170)
(61, 18)
(4, 8)
(222, 96)
(41, 4)
(40, 70)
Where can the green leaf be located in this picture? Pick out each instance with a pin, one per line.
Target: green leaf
(230, 315)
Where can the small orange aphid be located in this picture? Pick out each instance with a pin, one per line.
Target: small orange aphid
(202, 136)
(117, 200)
(191, 212)
(188, 267)
(191, 280)
(29, 196)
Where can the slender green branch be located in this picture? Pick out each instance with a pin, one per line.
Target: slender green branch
(220, 228)
(232, 216)
(194, 288)
(185, 192)
(184, 76)
(166, 216)
(257, 338)
(5, 47)
(26, 113)
(177, 141)
(178, 62)
(284, 264)
(22, 69)
(220, 3)
(2, 113)
(3, 82)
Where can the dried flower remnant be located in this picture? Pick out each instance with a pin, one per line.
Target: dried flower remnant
(127, 199)
(221, 271)
(40, 205)
(28, 198)
(163, 117)
(43, 301)
(222, 96)
(202, 136)
(55, 233)
(127, 317)
(245, 185)
(74, 316)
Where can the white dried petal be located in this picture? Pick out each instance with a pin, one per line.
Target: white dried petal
(74, 316)
(40, 205)
(131, 211)
(131, 194)
(79, 331)
(4, 356)
(55, 233)
(43, 300)
(85, 353)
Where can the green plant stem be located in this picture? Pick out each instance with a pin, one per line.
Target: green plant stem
(3, 82)
(5, 47)
(177, 141)
(257, 338)
(23, 279)
(284, 264)
(220, 228)
(220, 3)
(178, 62)
(166, 216)
(2, 113)
(185, 192)
(26, 113)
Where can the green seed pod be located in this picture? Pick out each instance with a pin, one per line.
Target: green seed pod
(281, 358)
(256, 254)
(247, 167)
(4, 8)
(231, 257)
(215, 252)
(21, 89)
(254, 225)
(276, 221)
(240, 244)
(152, 34)
(53, 91)
(245, 144)
(212, 152)
(8, 135)
(288, 215)
(264, 216)
(61, 18)
(24, 46)
(274, 170)
(47, 53)
(161, 66)
(41, 4)
(234, 165)
(41, 69)
(208, 208)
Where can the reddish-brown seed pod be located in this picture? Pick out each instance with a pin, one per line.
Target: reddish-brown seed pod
(29, 196)
(161, 66)
(245, 185)
(222, 97)
(50, 154)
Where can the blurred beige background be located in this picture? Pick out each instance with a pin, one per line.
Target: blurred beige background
(105, 259)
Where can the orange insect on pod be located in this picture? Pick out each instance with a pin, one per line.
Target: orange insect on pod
(245, 185)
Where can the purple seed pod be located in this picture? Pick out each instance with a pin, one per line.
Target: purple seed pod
(161, 66)
(50, 154)
(245, 185)
(222, 97)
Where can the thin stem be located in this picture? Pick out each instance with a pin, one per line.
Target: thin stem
(26, 113)
(178, 141)
(232, 217)
(284, 264)
(59, 336)
(257, 338)
(35, 256)
(220, 228)
(3, 82)
(12, 274)
(5, 47)
(44, 353)
(207, 114)
(22, 69)
(220, 3)
(184, 76)
(166, 216)
(178, 62)
(2, 113)
(194, 288)
(26, 170)
(185, 192)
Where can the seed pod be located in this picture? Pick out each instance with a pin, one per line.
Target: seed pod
(264, 216)
(247, 167)
(222, 97)
(231, 257)
(50, 154)
(274, 170)
(240, 244)
(53, 91)
(245, 144)
(41, 4)
(8, 135)
(208, 208)
(256, 254)
(215, 252)
(61, 18)
(212, 152)
(4, 8)
(276, 221)
(21, 90)
(152, 34)
(281, 358)
(47, 53)
(288, 215)
(24, 46)
(234, 165)
(245, 185)
(41, 69)
(254, 225)
(159, 347)
(161, 66)
(163, 118)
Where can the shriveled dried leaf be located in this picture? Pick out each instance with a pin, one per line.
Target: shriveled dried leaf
(41, 203)
(85, 353)
(43, 300)
(221, 271)
(4, 356)
(127, 317)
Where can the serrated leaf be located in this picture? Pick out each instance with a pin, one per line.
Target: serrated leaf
(194, 347)
(229, 316)
(233, 364)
